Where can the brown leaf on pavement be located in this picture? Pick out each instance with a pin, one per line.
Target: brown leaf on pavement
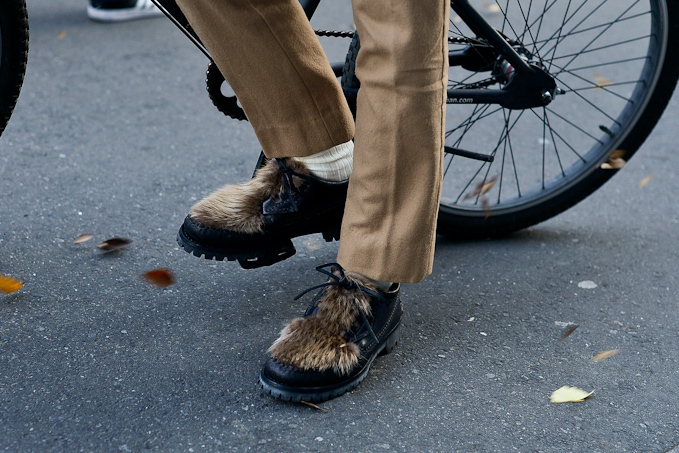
(568, 331)
(161, 278)
(486, 206)
(481, 188)
(604, 355)
(615, 160)
(114, 244)
(314, 406)
(646, 180)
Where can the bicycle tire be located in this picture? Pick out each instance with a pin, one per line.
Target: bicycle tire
(13, 55)
(473, 213)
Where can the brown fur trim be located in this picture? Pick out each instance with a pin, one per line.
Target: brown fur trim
(319, 342)
(239, 207)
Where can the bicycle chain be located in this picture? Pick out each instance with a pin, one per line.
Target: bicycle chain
(350, 34)
(334, 33)
(228, 105)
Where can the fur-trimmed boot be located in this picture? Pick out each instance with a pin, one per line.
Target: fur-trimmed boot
(254, 222)
(328, 352)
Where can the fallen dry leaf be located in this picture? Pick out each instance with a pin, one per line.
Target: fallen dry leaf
(601, 81)
(604, 355)
(314, 406)
(114, 244)
(646, 180)
(9, 284)
(162, 278)
(480, 192)
(568, 331)
(615, 160)
(481, 188)
(486, 206)
(83, 238)
(614, 164)
(486, 187)
(568, 394)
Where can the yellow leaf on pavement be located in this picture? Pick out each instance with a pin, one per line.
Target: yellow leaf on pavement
(9, 284)
(568, 394)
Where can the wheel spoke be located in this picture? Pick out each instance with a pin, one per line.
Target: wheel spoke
(600, 52)
(598, 35)
(559, 31)
(594, 106)
(603, 87)
(561, 57)
(564, 140)
(575, 126)
(466, 125)
(615, 84)
(556, 148)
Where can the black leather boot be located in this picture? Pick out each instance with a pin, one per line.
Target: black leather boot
(329, 351)
(254, 222)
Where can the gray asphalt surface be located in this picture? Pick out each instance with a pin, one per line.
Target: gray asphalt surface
(114, 136)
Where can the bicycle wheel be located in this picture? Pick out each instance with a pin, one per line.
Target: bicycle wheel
(13, 55)
(616, 70)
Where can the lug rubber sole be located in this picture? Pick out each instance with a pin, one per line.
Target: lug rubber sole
(251, 258)
(320, 394)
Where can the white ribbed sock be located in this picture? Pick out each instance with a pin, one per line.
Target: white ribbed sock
(334, 164)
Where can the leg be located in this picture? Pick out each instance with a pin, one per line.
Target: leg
(389, 226)
(269, 54)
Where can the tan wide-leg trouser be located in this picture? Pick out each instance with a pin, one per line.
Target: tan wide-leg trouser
(270, 56)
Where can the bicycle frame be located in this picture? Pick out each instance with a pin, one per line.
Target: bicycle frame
(528, 86)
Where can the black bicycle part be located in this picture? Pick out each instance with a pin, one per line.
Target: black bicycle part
(13, 55)
(509, 74)
(615, 68)
(176, 16)
(228, 105)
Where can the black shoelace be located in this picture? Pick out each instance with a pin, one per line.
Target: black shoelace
(288, 183)
(347, 284)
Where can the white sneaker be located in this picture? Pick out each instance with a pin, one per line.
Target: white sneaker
(121, 10)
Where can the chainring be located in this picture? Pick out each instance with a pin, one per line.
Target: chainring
(228, 105)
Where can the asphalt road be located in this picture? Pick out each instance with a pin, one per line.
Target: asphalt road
(114, 136)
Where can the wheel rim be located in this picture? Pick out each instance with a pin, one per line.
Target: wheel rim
(603, 53)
